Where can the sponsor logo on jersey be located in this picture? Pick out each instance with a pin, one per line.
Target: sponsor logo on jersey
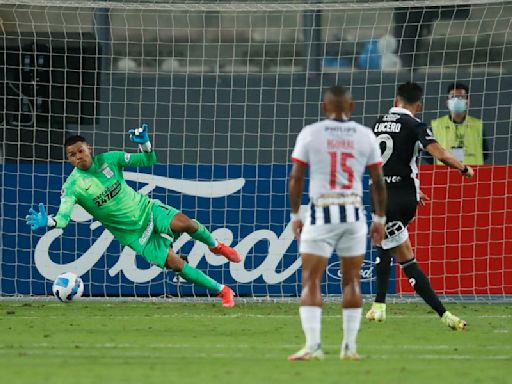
(107, 171)
(390, 117)
(108, 194)
(341, 130)
(392, 179)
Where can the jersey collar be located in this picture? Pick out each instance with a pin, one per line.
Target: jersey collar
(401, 111)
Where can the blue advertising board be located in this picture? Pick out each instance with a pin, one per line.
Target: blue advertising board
(245, 206)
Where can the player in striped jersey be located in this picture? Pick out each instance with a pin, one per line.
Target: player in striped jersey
(337, 151)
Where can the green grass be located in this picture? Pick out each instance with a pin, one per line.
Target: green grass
(166, 342)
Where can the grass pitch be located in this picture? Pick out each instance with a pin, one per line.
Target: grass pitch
(166, 342)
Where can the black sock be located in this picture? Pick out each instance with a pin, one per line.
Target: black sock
(383, 272)
(421, 285)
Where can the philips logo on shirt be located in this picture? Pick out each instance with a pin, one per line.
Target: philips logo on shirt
(341, 130)
(108, 194)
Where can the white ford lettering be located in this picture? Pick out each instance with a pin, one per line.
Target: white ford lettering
(278, 244)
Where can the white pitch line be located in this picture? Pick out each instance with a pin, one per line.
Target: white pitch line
(459, 357)
(231, 356)
(247, 346)
(235, 315)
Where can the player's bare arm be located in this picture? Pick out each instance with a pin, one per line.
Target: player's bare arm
(444, 156)
(295, 189)
(379, 198)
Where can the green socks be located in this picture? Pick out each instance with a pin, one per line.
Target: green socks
(203, 235)
(195, 276)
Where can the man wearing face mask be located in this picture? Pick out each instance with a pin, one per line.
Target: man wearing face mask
(459, 132)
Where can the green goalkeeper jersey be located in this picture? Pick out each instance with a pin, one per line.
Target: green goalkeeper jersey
(102, 191)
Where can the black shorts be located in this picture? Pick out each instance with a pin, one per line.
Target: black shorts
(402, 204)
(401, 209)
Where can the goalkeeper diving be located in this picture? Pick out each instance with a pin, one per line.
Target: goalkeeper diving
(97, 184)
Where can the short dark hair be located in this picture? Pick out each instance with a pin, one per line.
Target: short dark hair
(410, 92)
(337, 91)
(73, 140)
(458, 85)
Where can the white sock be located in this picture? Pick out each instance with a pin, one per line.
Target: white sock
(351, 322)
(311, 320)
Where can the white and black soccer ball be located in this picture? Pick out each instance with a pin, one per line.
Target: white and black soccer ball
(68, 287)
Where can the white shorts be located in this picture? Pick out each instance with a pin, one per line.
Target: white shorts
(396, 234)
(348, 239)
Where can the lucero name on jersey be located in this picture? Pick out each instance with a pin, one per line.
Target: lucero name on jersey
(387, 126)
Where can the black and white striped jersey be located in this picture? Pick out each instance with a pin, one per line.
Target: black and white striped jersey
(333, 214)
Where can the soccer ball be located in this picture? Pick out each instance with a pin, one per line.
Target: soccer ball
(67, 287)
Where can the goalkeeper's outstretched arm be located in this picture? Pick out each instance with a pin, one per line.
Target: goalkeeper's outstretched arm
(41, 219)
(79, 155)
(67, 202)
(148, 156)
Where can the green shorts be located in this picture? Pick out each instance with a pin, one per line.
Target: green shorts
(151, 244)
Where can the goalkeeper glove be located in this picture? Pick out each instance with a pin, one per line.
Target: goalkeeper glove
(140, 136)
(39, 219)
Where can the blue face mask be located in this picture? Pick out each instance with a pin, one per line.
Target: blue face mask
(457, 104)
